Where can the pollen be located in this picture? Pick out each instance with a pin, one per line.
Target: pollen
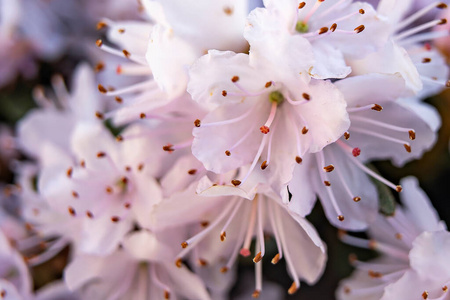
(99, 42)
(228, 10)
(359, 29)
(323, 30)
(346, 135)
(69, 172)
(75, 194)
(268, 84)
(275, 259)
(298, 159)
(72, 211)
(327, 183)
(333, 27)
(426, 60)
(223, 236)
(425, 295)
(407, 148)
(178, 263)
(264, 165)
(119, 138)
(301, 5)
(292, 289)
(89, 214)
(224, 93)
(202, 262)
(115, 219)
(184, 245)
(377, 107)
(341, 218)
(328, 168)
(357, 199)
(257, 258)
(361, 11)
(126, 53)
(235, 79)
(441, 5)
(142, 116)
(235, 182)
(101, 154)
(306, 96)
(398, 188)
(99, 115)
(101, 25)
(223, 270)
(102, 89)
(412, 135)
(197, 123)
(99, 67)
(256, 294)
(227, 153)
(118, 99)
(192, 171)
(305, 130)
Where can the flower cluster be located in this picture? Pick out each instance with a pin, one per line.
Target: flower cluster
(213, 131)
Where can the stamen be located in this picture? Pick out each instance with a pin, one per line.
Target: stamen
(419, 28)
(419, 14)
(384, 137)
(250, 228)
(279, 255)
(344, 183)
(229, 121)
(108, 49)
(312, 11)
(139, 87)
(223, 234)
(262, 246)
(257, 156)
(320, 158)
(133, 70)
(375, 107)
(381, 124)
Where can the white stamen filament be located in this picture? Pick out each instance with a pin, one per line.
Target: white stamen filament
(257, 156)
(295, 102)
(381, 136)
(133, 70)
(289, 263)
(60, 89)
(270, 212)
(229, 121)
(247, 93)
(273, 111)
(331, 8)
(137, 59)
(362, 108)
(243, 138)
(156, 280)
(320, 163)
(417, 29)
(260, 228)
(434, 81)
(142, 279)
(138, 87)
(271, 135)
(343, 18)
(427, 36)
(258, 270)
(250, 229)
(381, 124)
(312, 11)
(231, 217)
(49, 252)
(237, 246)
(416, 15)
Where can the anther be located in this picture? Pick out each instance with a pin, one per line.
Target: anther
(447, 84)
(121, 30)
(445, 288)
(83, 164)
(197, 123)
(346, 135)
(166, 295)
(140, 167)
(89, 214)
(361, 11)
(306, 96)
(99, 67)
(126, 53)
(235, 182)
(377, 107)
(333, 27)
(142, 116)
(257, 258)
(69, 172)
(268, 84)
(99, 115)
(298, 159)
(72, 211)
(119, 138)
(75, 194)
(99, 42)
(264, 129)
(115, 219)
(264, 165)
(442, 22)
(323, 30)
(301, 5)
(425, 295)
(101, 154)
(124, 180)
(374, 274)
(256, 294)
(168, 148)
(118, 99)
(224, 93)
(356, 152)
(426, 60)
(357, 199)
(102, 89)
(305, 130)
(101, 25)
(202, 262)
(223, 236)
(228, 10)
(292, 289)
(275, 259)
(127, 205)
(327, 183)
(398, 236)
(407, 148)
(223, 270)
(178, 263)
(412, 135)
(227, 153)
(328, 168)
(398, 188)
(192, 171)
(359, 29)
(347, 290)
(341, 218)
(204, 224)
(235, 79)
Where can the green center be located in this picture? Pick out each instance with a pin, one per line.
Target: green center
(301, 27)
(276, 97)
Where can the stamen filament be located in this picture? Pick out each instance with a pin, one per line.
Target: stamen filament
(381, 136)
(416, 15)
(321, 162)
(250, 228)
(381, 124)
(141, 86)
(230, 218)
(133, 70)
(417, 29)
(257, 156)
(229, 121)
(275, 229)
(312, 11)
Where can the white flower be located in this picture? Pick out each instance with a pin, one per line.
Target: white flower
(414, 245)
